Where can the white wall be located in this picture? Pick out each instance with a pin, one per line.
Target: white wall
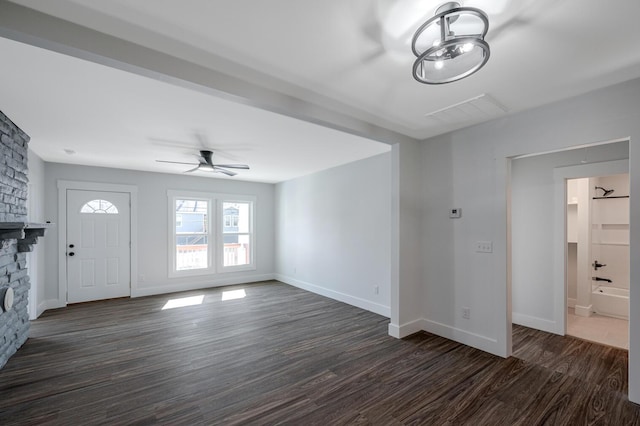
(533, 213)
(406, 240)
(477, 180)
(333, 233)
(460, 171)
(152, 225)
(36, 259)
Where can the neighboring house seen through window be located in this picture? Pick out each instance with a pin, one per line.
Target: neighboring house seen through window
(204, 245)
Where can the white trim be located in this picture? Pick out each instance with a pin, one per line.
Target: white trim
(537, 323)
(560, 176)
(216, 234)
(201, 284)
(571, 302)
(564, 149)
(49, 304)
(172, 196)
(40, 308)
(406, 329)
(468, 338)
(63, 186)
(252, 200)
(336, 295)
(584, 311)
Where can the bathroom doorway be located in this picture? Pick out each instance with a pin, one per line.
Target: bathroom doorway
(597, 261)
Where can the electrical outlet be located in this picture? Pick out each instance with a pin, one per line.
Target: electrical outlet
(484, 246)
(455, 213)
(466, 313)
(376, 289)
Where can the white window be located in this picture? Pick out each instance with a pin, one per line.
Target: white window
(191, 235)
(196, 235)
(237, 234)
(99, 207)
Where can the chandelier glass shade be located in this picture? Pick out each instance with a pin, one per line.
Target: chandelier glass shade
(450, 46)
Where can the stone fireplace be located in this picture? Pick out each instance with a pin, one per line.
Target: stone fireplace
(16, 238)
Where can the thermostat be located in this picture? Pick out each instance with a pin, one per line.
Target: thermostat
(455, 213)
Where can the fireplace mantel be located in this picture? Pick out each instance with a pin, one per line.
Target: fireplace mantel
(26, 233)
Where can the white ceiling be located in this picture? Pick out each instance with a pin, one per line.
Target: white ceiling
(111, 118)
(351, 57)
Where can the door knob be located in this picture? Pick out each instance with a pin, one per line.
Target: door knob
(72, 254)
(71, 246)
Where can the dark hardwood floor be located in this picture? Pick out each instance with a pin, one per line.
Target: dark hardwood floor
(282, 355)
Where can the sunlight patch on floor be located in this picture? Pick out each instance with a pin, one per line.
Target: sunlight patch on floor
(184, 301)
(233, 294)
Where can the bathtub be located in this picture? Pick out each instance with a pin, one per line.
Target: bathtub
(611, 301)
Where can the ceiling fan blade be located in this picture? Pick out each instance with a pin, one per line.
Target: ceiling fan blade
(192, 170)
(233, 166)
(174, 162)
(226, 172)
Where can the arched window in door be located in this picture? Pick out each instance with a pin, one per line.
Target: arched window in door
(99, 206)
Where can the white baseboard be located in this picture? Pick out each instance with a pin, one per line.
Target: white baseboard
(198, 285)
(45, 305)
(468, 338)
(536, 323)
(571, 303)
(584, 311)
(336, 295)
(42, 306)
(406, 329)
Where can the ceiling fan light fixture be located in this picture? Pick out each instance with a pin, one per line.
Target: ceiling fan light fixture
(206, 164)
(450, 46)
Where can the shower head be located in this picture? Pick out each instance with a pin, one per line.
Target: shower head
(607, 192)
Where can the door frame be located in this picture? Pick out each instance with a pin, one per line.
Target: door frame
(63, 186)
(561, 175)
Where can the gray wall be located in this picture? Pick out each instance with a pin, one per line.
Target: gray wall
(152, 225)
(333, 233)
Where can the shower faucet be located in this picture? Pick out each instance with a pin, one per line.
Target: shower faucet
(602, 279)
(597, 265)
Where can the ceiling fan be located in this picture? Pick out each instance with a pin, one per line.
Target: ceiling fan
(206, 164)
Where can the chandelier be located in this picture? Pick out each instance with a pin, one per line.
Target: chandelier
(450, 46)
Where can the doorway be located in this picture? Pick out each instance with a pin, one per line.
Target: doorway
(597, 262)
(538, 228)
(98, 245)
(111, 269)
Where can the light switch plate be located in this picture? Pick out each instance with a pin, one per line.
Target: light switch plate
(455, 213)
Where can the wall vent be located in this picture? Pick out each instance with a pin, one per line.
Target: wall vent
(475, 110)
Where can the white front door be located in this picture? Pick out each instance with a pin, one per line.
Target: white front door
(98, 245)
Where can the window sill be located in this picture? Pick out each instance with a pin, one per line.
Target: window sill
(191, 273)
(242, 268)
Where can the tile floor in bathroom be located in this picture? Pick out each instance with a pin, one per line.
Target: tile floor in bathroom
(599, 329)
